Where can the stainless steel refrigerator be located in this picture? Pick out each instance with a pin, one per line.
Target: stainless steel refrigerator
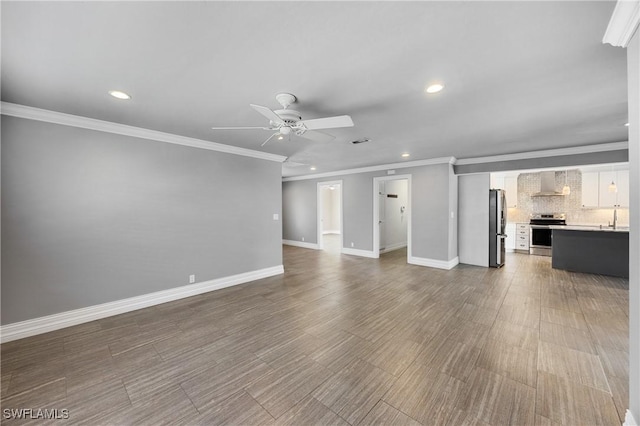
(497, 227)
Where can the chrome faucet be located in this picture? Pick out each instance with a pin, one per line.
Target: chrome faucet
(615, 219)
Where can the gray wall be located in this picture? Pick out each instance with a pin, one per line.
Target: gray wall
(91, 217)
(633, 73)
(304, 225)
(473, 219)
(431, 221)
(605, 157)
(431, 207)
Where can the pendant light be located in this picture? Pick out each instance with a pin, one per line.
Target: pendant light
(612, 186)
(566, 190)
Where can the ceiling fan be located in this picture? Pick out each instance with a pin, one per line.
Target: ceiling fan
(284, 122)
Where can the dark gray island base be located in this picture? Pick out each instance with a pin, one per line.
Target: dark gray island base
(592, 251)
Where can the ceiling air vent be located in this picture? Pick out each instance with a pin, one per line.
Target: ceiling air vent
(363, 140)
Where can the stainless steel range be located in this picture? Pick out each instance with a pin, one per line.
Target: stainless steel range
(541, 234)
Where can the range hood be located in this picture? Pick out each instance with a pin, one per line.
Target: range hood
(547, 185)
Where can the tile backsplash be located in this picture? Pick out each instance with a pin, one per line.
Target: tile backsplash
(529, 184)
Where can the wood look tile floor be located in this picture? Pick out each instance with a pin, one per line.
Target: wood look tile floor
(343, 340)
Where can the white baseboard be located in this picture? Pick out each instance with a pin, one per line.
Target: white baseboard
(361, 253)
(53, 322)
(302, 244)
(335, 232)
(434, 263)
(629, 420)
(510, 250)
(393, 247)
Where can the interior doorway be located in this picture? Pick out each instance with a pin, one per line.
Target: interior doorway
(392, 214)
(330, 216)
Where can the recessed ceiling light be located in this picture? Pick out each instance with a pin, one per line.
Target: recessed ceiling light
(280, 137)
(434, 88)
(312, 168)
(118, 94)
(406, 154)
(626, 124)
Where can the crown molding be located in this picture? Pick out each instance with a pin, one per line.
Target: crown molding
(31, 113)
(417, 163)
(623, 23)
(587, 149)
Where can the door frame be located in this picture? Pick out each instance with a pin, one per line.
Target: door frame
(376, 212)
(319, 211)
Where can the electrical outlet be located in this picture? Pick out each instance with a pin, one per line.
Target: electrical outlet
(351, 243)
(192, 279)
(276, 216)
(302, 238)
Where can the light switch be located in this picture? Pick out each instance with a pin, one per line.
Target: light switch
(276, 216)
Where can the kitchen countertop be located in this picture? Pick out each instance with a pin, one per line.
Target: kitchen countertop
(589, 228)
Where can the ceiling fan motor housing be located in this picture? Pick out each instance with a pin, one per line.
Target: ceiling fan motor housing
(290, 118)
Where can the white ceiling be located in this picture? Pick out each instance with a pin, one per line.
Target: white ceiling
(519, 76)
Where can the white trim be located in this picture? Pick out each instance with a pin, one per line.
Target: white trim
(320, 211)
(587, 149)
(31, 113)
(358, 252)
(393, 247)
(417, 163)
(376, 212)
(434, 263)
(623, 23)
(53, 322)
(302, 244)
(614, 146)
(332, 232)
(629, 420)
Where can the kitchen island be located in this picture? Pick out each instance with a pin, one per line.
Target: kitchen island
(595, 250)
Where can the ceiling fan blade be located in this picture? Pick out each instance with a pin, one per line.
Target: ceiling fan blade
(272, 116)
(317, 136)
(268, 139)
(327, 123)
(241, 128)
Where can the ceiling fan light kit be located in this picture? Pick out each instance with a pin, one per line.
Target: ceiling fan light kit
(287, 121)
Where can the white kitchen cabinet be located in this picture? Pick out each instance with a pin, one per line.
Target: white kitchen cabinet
(590, 189)
(623, 188)
(497, 182)
(510, 241)
(595, 189)
(511, 190)
(522, 237)
(606, 198)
